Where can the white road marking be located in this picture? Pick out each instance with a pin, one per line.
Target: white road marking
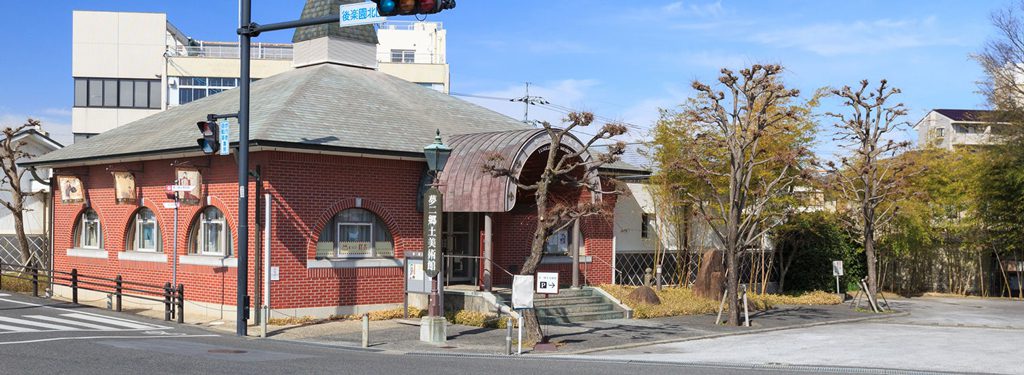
(100, 338)
(16, 329)
(71, 322)
(106, 320)
(4, 295)
(37, 324)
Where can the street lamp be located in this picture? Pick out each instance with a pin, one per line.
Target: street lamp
(432, 327)
(437, 154)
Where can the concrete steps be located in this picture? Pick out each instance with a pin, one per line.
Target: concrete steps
(573, 306)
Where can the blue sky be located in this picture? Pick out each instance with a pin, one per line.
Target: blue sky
(620, 59)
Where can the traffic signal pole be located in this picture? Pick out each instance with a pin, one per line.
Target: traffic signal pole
(241, 318)
(246, 31)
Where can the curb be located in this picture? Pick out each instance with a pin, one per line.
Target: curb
(727, 334)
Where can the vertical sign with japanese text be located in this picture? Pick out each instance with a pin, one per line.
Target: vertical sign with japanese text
(433, 203)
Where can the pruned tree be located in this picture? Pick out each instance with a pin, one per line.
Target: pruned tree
(11, 152)
(1003, 60)
(870, 177)
(733, 154)
(565, 171)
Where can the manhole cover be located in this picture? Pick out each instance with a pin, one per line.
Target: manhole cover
(226, 351)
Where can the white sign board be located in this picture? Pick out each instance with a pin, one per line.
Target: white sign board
(522, 292)
(416, 281)
(359, 14)
(170, 204)
(182, 187)
(225, 136)
(275, 273)
(837, 268)
(547, 282)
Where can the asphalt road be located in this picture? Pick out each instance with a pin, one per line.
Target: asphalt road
(42, 336)
(953, 335)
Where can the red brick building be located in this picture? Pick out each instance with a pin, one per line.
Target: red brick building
(338, 148)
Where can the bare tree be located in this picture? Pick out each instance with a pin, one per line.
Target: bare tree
(736, 153)
(871, 177)
(11, 153)
(1003, 60)
(565, 171)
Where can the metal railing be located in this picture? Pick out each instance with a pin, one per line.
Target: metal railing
(416, 58)
(173, 298)
(259, 51)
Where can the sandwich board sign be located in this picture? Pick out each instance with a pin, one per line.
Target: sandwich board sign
(547, 282)
(522, 292)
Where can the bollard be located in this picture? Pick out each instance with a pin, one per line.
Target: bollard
(110, 301)
(167, 302)
(366, 330)
(1, 274)
(181, 303)
(508, 336)
(117, 289)
(35, 282)
(74, 285)
(746, 313)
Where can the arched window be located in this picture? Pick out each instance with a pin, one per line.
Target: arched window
(209, 234)
(143, 233)
(355, 233)
(87, 233)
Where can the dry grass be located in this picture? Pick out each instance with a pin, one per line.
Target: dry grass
(477, 319)
(810, 298)
(396, 313)
(682, 301)
(24, 283)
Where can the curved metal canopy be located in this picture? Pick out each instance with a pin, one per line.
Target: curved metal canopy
(468, 188)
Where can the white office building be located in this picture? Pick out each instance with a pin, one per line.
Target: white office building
(127, 66)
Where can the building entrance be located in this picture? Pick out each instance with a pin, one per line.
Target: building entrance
(463, 245)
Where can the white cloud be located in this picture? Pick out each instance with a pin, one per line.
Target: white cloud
(839, 38)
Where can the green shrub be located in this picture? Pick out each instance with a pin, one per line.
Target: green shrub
(813, 240)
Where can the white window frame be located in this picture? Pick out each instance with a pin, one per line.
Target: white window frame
(204, 224)
(83, 230)
(403, 56)
(372, 253)
(139, 224)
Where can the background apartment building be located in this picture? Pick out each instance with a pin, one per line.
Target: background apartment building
(127, 66)
(950, 128)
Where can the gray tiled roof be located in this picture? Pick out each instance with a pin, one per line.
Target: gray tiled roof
(320, 8)
(326, 106)
(635, 158)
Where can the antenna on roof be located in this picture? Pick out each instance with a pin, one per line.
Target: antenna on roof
(527, 101)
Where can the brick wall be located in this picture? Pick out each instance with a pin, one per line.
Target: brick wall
(307, 191)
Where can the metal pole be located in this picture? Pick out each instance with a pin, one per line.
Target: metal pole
(241, 327)
(174, 255)
(520, 323)
(266, 264)
(576, 254)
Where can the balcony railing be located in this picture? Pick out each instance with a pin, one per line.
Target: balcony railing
(259, 51)
(409, 58)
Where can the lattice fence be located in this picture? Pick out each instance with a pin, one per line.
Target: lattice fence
(677, 268)
(10, 253)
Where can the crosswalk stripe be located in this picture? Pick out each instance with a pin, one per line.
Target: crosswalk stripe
(4, 295)
(37, 324)
(16, 329)
(71, 322)
(116, 322)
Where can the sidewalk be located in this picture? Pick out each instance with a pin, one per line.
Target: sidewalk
(396, 336)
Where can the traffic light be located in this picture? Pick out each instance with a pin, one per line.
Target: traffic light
(210, 142)
(388, 8)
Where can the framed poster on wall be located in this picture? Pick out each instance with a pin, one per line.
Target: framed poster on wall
(71, 190)
(190, 177)
(124, 188)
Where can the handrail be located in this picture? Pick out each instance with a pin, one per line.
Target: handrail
(480, 257)
(173, 298)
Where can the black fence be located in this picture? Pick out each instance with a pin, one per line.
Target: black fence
(173, 298)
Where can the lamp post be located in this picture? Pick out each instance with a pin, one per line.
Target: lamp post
(432, 327)
(437, 155)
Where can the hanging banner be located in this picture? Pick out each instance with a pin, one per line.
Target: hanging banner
(124, 188)
(190, 177)
(71, 190)
(433, 202)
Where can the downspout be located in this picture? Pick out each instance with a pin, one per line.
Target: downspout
(48, 218)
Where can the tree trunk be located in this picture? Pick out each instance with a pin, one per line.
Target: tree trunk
(869, 250)
(19, 230)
